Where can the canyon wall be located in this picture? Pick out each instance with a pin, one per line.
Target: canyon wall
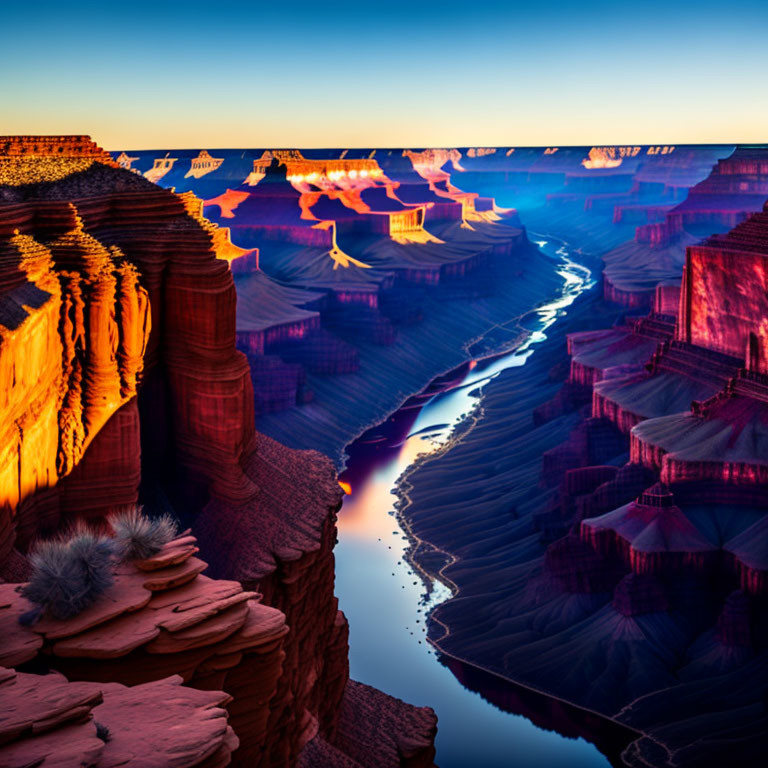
(724, 302)
(121, 382)
(615, 556)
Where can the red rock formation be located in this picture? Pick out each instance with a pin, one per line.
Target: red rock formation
(162, 617)
(47, 720)
(91, 258)
(60, 147)
(651, 534)
(724, 294)
(402, 735)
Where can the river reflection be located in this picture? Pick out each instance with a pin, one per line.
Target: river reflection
(386, 603)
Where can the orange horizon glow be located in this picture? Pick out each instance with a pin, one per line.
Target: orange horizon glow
(192, 134)
(495, 75)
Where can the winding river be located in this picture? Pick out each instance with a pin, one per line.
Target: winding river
(386, 602)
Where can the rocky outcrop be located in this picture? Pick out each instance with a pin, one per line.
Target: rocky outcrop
(49, 721)
(402, 735)
(163, 617)
(651, 535)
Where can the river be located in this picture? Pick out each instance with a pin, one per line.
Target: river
(386, 602)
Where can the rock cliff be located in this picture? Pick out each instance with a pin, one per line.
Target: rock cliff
(121, 382)
(734, 188)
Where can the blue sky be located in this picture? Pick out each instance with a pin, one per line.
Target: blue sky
(188, 74)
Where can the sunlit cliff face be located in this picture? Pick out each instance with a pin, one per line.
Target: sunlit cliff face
(125, 161)
(304, 174)
(602, 157)
(481, 151)
(612, 157)
(161, 166)
(334, 174)
(261, 164)
(429, 163)
(203, 164)
(256, 175)
(228, 202)
(71, 360)
(660, 150)
(406, 226)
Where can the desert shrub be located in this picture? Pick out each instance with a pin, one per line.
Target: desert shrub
(68, 575)
(138, 536)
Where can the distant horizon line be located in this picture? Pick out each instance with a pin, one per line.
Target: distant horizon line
(743, 144)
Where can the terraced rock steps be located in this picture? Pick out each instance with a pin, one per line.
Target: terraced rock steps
(49, 721)
(163, 617)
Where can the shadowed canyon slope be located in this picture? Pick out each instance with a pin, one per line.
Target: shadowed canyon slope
(361, 253)
(606, 533)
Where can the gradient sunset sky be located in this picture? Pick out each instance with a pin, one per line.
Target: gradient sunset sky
(403, 73)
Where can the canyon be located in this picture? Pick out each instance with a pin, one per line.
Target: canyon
(614, 555)
(215, 334)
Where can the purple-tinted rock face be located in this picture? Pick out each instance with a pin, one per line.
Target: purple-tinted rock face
(644, 594)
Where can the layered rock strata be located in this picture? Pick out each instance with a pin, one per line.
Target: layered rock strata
(163, 617)
(736, 187)
(122, 381)
(631, 581)
(49, 721)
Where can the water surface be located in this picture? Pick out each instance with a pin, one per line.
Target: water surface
(386, 602)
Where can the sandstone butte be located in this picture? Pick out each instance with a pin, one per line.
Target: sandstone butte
(119, 376)
(685, 387)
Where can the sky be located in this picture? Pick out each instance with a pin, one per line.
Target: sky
(228, 73)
